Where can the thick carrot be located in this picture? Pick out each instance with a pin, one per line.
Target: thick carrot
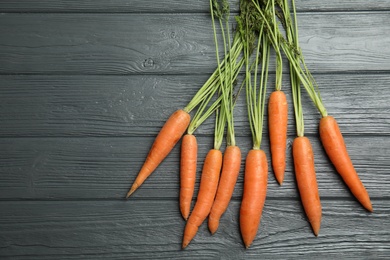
(334, 145)
(189, 154)
(277, 124)
(166, 139)
(307, 182)
(255, 190)
(230, 170)
(207, 190)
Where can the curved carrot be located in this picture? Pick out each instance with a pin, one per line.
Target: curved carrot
(334, 145)
(208, 188)
(166, 139)
(307, 182)
(189, 154)
(253, 199)
(277, 125)
(230, 170)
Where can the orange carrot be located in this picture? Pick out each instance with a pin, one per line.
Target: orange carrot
(230, 170)
(307, 182)
(189, 153)
(166, 139)
(277, 124)
(334, 145)
(207, 190)
(253, 199)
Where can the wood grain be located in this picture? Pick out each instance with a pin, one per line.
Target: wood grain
(174, 43)
(92, 168)
(140, 230)
(138, 105)
(168, 6)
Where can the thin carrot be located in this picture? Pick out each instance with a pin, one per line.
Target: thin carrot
(255, 189)
(334, 145)
(307, 182)
(230, 170)
(189, 154)
(208, 188)
(277, 124)
(166, 139)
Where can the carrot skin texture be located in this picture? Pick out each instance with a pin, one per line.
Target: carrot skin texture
(188, 160)
(277, 125)
(253, 199)
(230, 170)
(207, 190)
(166, 139)
(307, 182)
(334, 145)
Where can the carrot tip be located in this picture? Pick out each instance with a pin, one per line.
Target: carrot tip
(131, 191)
(184, 245)
(316, 231)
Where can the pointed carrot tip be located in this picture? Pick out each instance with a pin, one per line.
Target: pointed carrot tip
(184, 245)
(132, 190)
(316, 230)
(129, 194)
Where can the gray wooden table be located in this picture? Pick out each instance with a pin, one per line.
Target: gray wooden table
(86, 85)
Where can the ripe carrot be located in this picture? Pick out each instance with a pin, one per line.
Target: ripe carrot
(230, 170)
(208, 188)
(334, 145)
(277, 124)
(307, 182)
(255, 190)
(166, 139)
(189, 154)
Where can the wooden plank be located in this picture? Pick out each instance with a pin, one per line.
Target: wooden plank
(138, 105)
(174, 43)
(153, 230)
(104, 168)
(169, 6)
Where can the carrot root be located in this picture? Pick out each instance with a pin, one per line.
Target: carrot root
(166, 139)
(277, 125)
(334, 145)
(307, 182)
(255, 190)
(188, 160)
(230, 170)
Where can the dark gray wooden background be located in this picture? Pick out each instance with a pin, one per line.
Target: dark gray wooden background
(86, 85)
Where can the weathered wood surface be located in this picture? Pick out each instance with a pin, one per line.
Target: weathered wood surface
(85, 87)
(169, 6)
(146, 230)
(174, 43)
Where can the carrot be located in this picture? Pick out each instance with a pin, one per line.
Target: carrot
(230, 170)
(166, 139)
(208, 188)
(307, 182)
(189, 153)
(334, 145)
(277, 124)
(255, 189)
(256, 166)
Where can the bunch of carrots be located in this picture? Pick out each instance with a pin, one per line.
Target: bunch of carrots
(260, 26)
